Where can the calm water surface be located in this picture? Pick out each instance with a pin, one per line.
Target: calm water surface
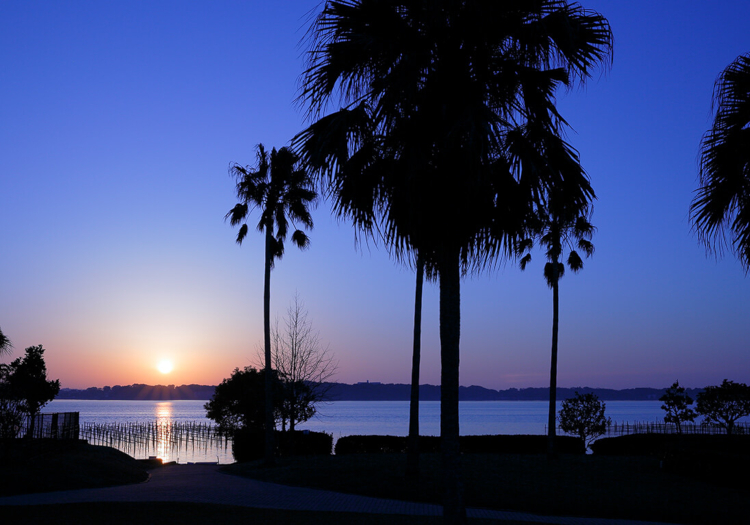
(344, 418)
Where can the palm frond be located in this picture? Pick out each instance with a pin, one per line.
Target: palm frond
(575, 262)
(720, 211)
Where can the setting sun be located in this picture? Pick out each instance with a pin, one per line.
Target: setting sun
(165, 366)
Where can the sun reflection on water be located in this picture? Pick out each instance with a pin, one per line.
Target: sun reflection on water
(163, 418)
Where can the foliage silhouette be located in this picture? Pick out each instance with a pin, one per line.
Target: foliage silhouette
(676, 405)
(723, 405)
(282, 190)
(28, 384)
(559, 228)
(583, 416)
(11, 414)
(239, 401)
(303, 363)
(5, 344)
(721, 207)
(448, 109)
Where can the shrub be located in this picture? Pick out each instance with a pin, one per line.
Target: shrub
(711, 466)
(371, 445)
(248, 445)
(661, 445)
(518, 444)
(304, 443)
(488, 444)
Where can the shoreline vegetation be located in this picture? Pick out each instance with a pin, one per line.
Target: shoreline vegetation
(368, 392)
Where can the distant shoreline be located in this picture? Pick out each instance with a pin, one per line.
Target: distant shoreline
(369, 392)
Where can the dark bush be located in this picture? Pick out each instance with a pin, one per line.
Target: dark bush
(370, 445)
(518, 444)
(498, 444)
(711, 466)
(304, 443)
(248, 445)
(660, 444)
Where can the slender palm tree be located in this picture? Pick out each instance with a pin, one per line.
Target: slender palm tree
(412, 450)
(442, 100)
(560, 228)
(282, 190)
(721, 207)
(5, 345)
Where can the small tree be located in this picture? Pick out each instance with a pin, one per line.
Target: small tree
(239, 401)
(723, 405)
(304, 365)
(28, 384)
(583, 416)
(676, 405)
(11, 415)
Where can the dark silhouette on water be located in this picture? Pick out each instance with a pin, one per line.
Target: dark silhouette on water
(282, 190)
(721, 207)
(445, 105)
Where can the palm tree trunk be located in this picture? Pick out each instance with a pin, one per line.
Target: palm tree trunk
(412, 451)
(454, 511)
(269, 448)
(551, 421)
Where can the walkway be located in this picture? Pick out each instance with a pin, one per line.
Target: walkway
(205, 484)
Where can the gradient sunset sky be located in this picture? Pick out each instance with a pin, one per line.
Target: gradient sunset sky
(118, 121)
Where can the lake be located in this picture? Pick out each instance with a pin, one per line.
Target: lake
(341, 418)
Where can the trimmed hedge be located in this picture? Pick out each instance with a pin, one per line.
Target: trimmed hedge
(488, 444)
(248, 445)
(710, 466)
(661, 444)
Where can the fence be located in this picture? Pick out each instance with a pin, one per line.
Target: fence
(624, 429)
(62, 425)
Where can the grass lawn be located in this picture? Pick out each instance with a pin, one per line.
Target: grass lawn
(594, 486)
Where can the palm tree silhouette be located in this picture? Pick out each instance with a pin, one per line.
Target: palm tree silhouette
(444, 100)
(721, 207)
(283, 192)
(559, 228)
(5, 344)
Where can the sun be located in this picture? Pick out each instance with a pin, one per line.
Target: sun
(165, 366)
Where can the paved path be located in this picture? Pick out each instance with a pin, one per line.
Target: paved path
(205, 484)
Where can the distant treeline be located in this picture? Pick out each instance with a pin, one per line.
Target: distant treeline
(141, 392)
(372, 392)
(400, 392)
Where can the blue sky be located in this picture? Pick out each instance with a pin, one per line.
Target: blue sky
(118, 121)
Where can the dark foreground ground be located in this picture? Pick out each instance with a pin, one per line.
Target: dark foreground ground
(606, 487)
(160, 513)
(623, 487)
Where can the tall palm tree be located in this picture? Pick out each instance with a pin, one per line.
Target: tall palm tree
(5, 344)
(282, 190)
(442, 98)
(412, 450)
(721, 207)
(560, 228)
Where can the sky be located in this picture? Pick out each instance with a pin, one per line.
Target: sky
(118, 121)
